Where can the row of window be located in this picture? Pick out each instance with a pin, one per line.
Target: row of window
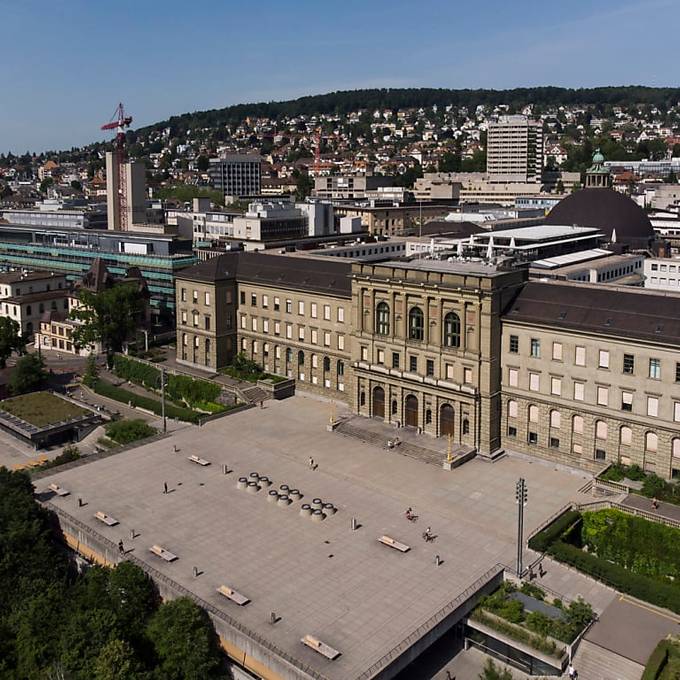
(314, 333)
(602, 434)
(602, 394)
(603, 358)
(301, 307)
(416, 325)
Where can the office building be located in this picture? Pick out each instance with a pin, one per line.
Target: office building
(514, 152)
(349, 187)
(236, 175)
(134, 176)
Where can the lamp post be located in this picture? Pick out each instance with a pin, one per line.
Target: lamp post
(521, 500)
(165, 426)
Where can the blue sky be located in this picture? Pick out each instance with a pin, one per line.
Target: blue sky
(66, 63)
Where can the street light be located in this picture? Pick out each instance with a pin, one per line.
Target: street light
(521, 500)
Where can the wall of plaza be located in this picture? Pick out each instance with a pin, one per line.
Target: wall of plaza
(579, 398)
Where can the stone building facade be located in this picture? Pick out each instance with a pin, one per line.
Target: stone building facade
(592, 375)
(426, 350)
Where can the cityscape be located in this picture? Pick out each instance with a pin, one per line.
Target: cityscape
(379, 380)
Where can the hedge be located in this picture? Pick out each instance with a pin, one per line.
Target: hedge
(661, 593)
(553, 531)
(106, 389)
(128, 431)
(657, 660)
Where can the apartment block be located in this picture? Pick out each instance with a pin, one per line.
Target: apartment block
(514, 152)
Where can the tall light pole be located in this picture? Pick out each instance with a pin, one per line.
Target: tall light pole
(165, 425)
(521, 500)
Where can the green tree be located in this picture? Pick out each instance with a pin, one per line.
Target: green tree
(46, 184)
(11, 339)
(109, 317)
(117, 661)
(202, 163)
(493, 672)
(303, 185)
(91, 371)
(184, 642)
(28, 375)
(132, 595)
(127, 431)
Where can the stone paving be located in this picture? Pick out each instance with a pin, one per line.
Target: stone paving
(667, 510)
(355, 594)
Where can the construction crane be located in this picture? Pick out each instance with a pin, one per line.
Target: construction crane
(119, 122)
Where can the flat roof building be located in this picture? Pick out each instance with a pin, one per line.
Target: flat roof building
(514, 151)
(236, 175)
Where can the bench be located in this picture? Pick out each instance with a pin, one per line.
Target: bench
(199, 461)
(233, 595)
(163, 553)
(392, 543)
(320, 647)
(60, 491)
(106, 519)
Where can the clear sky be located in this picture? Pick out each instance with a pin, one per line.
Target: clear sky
(66, 63)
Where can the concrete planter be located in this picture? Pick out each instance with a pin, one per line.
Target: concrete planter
(278, 390)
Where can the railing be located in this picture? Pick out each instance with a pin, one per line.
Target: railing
(515, 663)
(651, 516)
(433, 620)
(183, 592)
(611, 486)
(551, 519)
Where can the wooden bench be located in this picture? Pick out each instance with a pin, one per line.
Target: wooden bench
(106, 519)
(60, 491)
(392, 543)
(320, 647)
(163, 553)
(199, 461)
(233, 595)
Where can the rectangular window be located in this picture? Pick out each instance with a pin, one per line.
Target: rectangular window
(554, 443)
(676, 411)
(195, 296)
(600, 454)
(535, 348)
(301, 307)
(603, 361)
(289, 306)
(577, 424)
(655, 369)
(577, 449)
(467, 376)
(580, 356)
(301, 333)
(253, 322)
(413, 364)
(449, 371)
(579, 391)
(314, 336)
(626, 401)
(265, 301)
(512, 409)
(184, 318)
(207, 299)
(184, 294)
(603, 396)
(265, 325)
(556, 386)
(626, 436)
(341, 315)
(429, 367)
(327, 338)
(652, 406)
(289, 331)
(381, 356)
(277, 304)
(512, 431)
(327, 312)
(341, 341)
(532, 438)
(513, 377)
(253, 300)
(557, 351)
(514, 344)
(677, 371)
(534, 382)
(207, 323)
(395, 359)
(364, 353)
(628, 364)
(313, 310)
(243, 321)
(277, 328)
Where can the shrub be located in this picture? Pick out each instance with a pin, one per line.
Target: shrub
(127, 431)
(553, 531)
(106, 389)
(68, 455)
(191, 390)
(532, 590)
(657, 660)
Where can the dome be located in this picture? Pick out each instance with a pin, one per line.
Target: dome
(598, 157)
(607, 210)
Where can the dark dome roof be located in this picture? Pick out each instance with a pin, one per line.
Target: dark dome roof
(607, 210)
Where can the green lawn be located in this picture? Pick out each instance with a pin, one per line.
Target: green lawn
(42, 408)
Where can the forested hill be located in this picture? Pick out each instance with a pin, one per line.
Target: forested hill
(352, 100)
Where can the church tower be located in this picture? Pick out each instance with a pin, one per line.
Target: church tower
(598, 176)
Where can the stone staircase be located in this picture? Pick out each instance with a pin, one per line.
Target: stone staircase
(597, 663)
(253, 395)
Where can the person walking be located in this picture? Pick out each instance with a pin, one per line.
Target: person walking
(311, 463)
(121, 547)
(165, 487)
(572, 672)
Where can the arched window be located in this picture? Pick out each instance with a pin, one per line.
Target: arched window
(301, 358)
(577, 424)
(416, 324)
(533, 414)
(452, 330)
(601, 429)
(512, 409)
(326, 364)
(651, 442)
(289, 355)
(626, 436)
(555, 419)
(675, 449)
(382, 319)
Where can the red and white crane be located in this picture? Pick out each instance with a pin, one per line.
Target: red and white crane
(119, 122)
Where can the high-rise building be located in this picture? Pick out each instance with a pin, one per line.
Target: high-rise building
(135, 178)
(514, 150)
(236, 175)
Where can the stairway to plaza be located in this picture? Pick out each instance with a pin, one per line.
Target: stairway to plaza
(593, 662)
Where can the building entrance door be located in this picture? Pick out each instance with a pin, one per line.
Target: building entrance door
(446, 420)
(411, 411)
(378, 402)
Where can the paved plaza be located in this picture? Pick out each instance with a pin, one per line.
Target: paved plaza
(341, 586)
